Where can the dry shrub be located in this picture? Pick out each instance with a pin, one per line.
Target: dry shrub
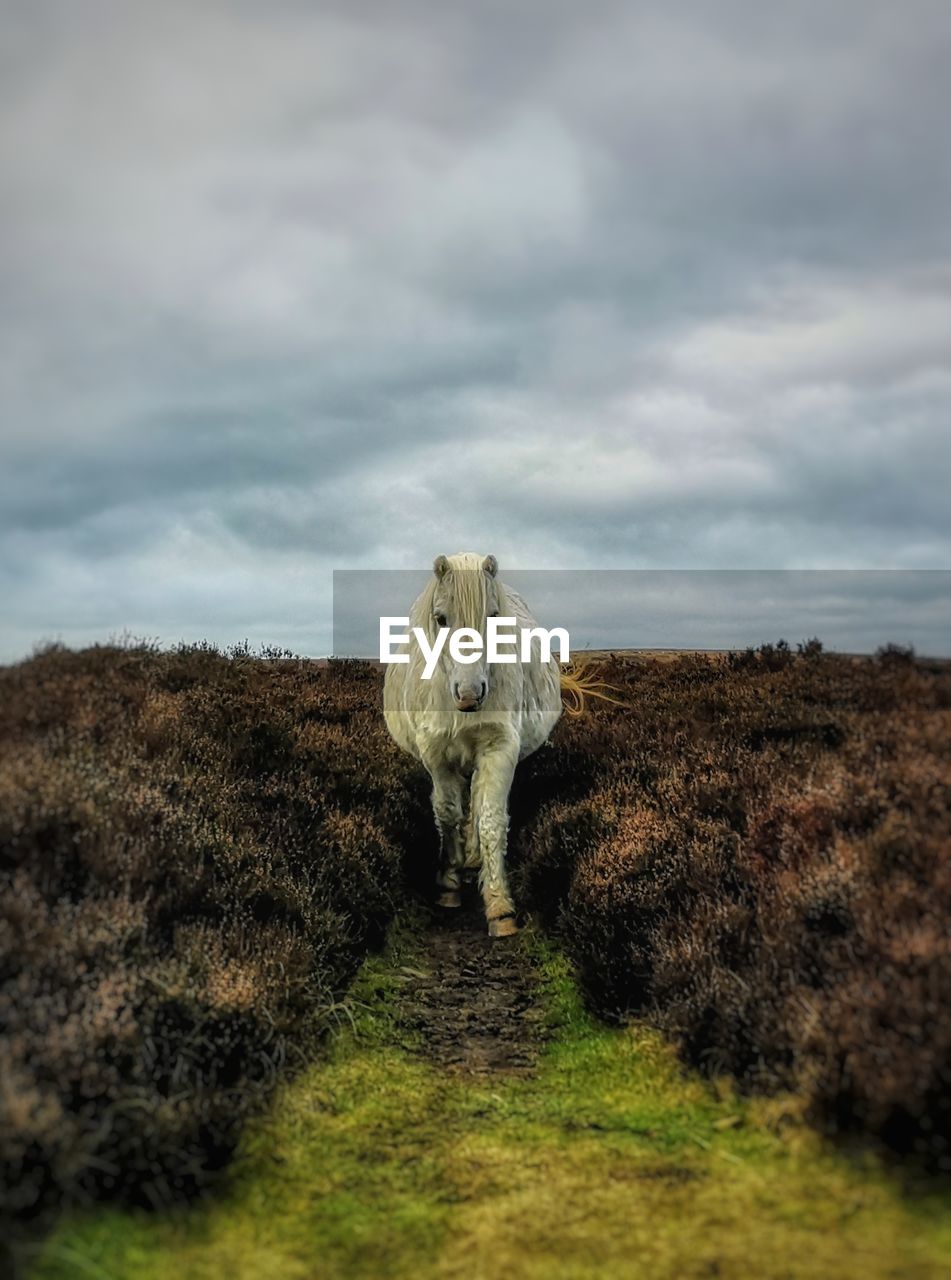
(195, 852)
(757, 858)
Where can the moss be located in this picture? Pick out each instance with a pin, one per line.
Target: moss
(609, 1161)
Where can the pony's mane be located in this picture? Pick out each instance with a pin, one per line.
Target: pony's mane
(467, 585)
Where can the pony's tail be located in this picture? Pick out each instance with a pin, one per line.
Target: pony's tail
(581, 681)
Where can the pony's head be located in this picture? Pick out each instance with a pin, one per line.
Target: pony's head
(463, 592)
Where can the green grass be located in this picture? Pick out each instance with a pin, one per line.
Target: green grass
(611, 1161)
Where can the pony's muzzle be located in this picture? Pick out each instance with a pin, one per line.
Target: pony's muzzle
(469, 697)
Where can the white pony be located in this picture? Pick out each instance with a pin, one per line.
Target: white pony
(471, 724)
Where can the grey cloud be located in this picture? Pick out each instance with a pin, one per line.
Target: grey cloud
(284, 287)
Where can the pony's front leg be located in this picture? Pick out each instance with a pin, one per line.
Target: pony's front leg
(491, 784)
(448, 811)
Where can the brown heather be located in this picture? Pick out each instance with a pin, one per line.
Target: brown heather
(756, 856)
(198, 849)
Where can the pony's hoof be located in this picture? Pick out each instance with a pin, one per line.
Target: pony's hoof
(505, 927)
(450, 898)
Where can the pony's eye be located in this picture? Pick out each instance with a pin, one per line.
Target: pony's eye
(441, 620)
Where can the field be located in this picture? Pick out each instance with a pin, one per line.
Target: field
(744, 872)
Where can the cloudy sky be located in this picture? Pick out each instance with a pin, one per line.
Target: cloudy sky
(288, 287)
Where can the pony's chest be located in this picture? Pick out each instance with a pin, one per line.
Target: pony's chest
(461, 753)
(462, 746)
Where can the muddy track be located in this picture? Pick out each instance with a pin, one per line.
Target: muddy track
(472, 1001)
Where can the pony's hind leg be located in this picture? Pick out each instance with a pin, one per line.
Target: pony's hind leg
(473, 854)
(448, 811)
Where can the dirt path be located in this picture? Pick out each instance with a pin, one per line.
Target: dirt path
(474, 1003)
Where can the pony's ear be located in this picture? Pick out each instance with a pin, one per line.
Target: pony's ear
(440, 566)
(491, 566)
